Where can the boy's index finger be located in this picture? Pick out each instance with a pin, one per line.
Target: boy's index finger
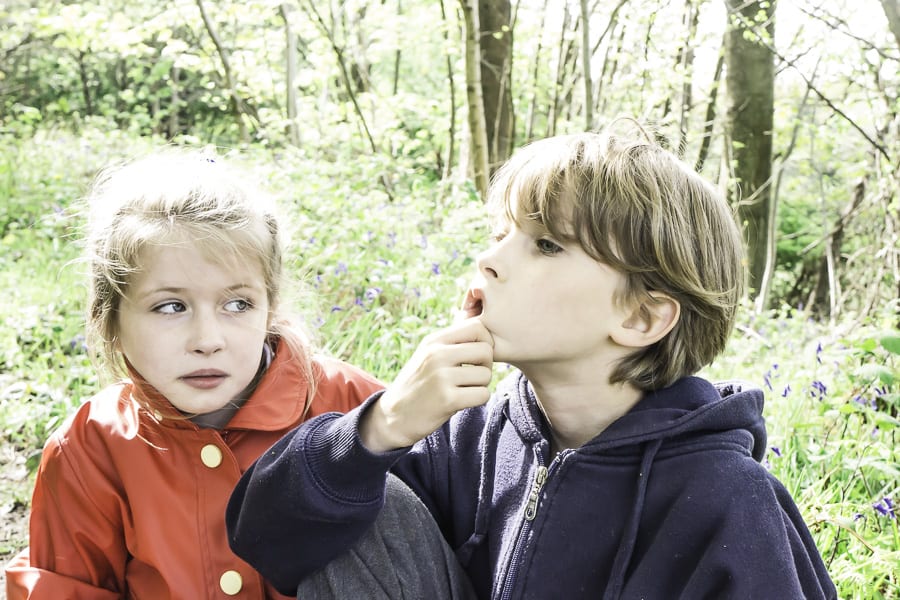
(472, 330)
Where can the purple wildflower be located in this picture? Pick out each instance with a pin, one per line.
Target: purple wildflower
(435, 268)
(885, 508)
(818, 390)
(786, 391)
(819, 353)
(776, 450)
(372, 293)
(340, 268)
(336, 308)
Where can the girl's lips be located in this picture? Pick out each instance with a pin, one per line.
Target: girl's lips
(205, 379)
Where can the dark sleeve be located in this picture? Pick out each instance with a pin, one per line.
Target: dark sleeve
(307, 499)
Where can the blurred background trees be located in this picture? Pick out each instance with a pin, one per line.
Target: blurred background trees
(792, 108)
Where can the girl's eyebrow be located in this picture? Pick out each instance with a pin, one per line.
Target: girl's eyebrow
(181, 290)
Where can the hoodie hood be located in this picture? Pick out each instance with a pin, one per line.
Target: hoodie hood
(690, 407)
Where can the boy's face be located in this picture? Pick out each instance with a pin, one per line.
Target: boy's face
(193, 328)
(548, 305)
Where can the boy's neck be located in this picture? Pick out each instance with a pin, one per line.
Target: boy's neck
(578, 411)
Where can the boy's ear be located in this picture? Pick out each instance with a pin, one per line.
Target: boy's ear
(648, 322)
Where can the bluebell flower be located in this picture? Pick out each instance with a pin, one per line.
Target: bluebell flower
(435, 268)
(818, 390)
(885, 508)
(786, 391)
(776, 450)
(372, 293)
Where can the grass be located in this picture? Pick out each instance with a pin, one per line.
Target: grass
(379, 274)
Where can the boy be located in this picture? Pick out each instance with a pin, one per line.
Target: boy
(602, 467)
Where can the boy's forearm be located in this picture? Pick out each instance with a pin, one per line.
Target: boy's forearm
(306, 500)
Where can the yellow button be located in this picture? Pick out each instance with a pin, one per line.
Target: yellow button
(231, 582)
(211, 456)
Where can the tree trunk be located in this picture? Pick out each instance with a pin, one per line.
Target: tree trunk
(762, 298)
(610, 26)
(475, 100)
(826, 298)
(496, 39)
(709, 119)
(451, 88)
(233, 99)
(749, 78)
(85, 85)
(290, 50)
(562, 60)
(692, 18)
(395, 84)
(892, 12)
(532, 104)
(586, 66)
(174, 124)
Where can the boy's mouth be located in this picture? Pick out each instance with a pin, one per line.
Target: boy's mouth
(473, 305)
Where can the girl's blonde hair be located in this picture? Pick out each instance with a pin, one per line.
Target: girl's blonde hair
(633, 205)
(173, 196)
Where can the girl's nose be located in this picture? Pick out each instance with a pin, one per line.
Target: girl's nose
(207, 337)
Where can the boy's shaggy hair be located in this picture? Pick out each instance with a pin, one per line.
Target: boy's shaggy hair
(633, 205)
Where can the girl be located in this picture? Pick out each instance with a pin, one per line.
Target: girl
(185, 266)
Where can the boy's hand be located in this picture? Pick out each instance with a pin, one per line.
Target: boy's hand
(449, 371)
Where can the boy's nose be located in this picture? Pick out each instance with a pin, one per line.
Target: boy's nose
(487, 263)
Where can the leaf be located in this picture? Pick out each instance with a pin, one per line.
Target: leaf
(886, 422)
(891, 343)
(872, 372)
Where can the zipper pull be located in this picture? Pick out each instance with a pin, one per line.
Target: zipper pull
(531, 507)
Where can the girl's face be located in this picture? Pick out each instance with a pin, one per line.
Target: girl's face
(194, 329)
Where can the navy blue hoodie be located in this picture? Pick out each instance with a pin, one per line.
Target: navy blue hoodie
(670, 501)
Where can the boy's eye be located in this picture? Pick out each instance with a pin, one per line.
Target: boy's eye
(238, 305)
(546, 246)
(169, 308)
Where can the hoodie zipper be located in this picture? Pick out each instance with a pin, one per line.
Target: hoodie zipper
(531, 508)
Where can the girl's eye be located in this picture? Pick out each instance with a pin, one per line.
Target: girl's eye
(548, 247)
(169, 308)
(238, 305)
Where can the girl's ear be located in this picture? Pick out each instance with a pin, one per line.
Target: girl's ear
(648, 322)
